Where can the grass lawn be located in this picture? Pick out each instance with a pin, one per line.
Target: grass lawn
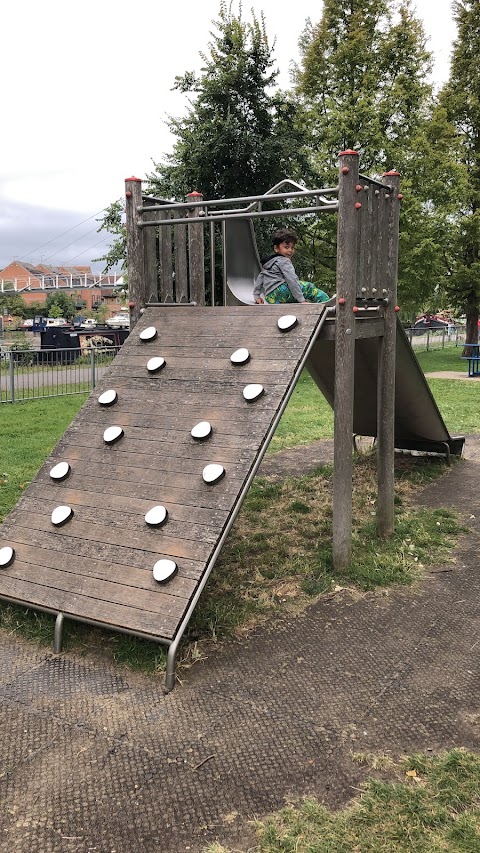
(426, 804)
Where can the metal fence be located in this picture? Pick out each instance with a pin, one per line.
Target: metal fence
(36, 374)
(424, 340)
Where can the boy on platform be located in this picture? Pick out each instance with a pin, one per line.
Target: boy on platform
(278, 281)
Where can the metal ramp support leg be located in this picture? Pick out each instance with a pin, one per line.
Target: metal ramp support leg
(57, 637)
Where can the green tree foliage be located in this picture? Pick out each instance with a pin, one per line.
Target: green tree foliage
(60, 305)
(363, 84)
(114, 223)
(238, 137)
(460, 102)
(12, 303)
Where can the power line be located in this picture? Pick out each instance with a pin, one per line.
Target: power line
(57, 237)
(72, 243)
(86, 250)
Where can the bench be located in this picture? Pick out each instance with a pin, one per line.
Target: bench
(473, 364)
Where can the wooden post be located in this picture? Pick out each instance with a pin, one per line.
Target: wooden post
(135, 249)
(347, 260)
(150, 255)
(196, 259)
(386, 366)
(165, 265)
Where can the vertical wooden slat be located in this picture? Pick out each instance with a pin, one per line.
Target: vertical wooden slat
(165, 289)
(151, 260)
(181, 269)
(347, 258)
(386, 370)
(135, 248)
(196, 254)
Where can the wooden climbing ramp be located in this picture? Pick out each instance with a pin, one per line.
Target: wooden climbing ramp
(123, 523)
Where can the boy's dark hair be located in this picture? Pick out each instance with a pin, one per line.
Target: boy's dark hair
(284, 235)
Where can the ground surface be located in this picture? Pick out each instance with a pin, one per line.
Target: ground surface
(95, 758)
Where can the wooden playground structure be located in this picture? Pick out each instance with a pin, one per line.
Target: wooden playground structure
(176, 431)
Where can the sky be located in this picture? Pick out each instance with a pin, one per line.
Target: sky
(87, 91)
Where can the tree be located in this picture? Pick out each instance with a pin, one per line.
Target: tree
(114, 223)
(12, 303)
(460, 101)
(239, 137)
(60, 305)
(362, 81)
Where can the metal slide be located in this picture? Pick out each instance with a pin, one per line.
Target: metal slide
(242, 262)
(418, 422)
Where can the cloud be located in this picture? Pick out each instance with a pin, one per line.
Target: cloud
(35, 234)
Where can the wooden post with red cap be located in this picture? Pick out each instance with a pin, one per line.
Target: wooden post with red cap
(386, 367)
(347, 252)
(135, 249)
(196, 253)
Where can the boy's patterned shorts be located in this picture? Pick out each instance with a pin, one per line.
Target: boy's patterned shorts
(282, 293)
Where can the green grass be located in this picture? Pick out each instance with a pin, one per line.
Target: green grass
(308, 417)
(430, 804)
(29, 432)
(442, 359)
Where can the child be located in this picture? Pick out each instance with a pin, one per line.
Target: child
(278, 280)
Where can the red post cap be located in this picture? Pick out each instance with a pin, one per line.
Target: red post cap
(134, 179)
(194, 194)
(349, 151)
(393, 172)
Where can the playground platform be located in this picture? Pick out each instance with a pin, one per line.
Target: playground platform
(95, 758)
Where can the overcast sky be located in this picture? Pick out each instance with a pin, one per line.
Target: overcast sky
(86, 92)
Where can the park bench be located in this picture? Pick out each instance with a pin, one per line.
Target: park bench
(473, 359)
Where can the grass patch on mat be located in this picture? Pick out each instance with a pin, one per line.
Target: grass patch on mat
(430, 804)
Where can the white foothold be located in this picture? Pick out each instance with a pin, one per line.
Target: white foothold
(253, 392)
(60, 471)
(201, 430)
(148, 334)
(156, 516)
(155, 364)
(213, 473)
(61, 514)
(108, 398)
(240, 356)
(7, 556)
(164, 570)
(287, 322)
(112, 434)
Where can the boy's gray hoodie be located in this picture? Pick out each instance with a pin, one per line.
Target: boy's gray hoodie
(276, 270)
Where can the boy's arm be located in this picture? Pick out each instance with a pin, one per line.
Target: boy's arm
(291, 278)
(258, 288)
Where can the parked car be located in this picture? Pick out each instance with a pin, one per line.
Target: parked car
(119, 321)
(27, 325)
(88, 323)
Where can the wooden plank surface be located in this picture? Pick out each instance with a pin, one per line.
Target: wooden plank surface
(98, 566)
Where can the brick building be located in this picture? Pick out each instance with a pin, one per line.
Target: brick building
(34, 282)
